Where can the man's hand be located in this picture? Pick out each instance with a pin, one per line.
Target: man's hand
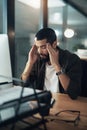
(54, 56)
(54, 59)
(32, 57)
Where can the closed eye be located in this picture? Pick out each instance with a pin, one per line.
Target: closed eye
(42, 47)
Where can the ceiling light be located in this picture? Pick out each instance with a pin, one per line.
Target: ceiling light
(69, 33)
(32, 3)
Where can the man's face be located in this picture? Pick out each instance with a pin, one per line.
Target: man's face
(42, 49)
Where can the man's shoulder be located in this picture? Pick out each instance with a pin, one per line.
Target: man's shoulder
(68, 58)
(67, 53)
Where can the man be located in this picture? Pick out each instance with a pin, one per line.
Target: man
(51, 68)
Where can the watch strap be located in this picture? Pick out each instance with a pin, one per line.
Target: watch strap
(62, 71)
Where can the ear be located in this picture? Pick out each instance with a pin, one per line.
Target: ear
(54, 44)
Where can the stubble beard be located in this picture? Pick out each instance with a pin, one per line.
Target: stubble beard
(45, 58)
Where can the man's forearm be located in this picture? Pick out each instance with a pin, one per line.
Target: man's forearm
(26, 71)
(64, 79)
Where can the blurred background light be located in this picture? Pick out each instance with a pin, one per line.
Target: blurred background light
(36, 3)
(32, 3)
(69, 33)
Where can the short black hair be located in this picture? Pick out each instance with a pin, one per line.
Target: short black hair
(46, 33)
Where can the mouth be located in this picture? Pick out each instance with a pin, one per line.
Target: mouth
(43, 56)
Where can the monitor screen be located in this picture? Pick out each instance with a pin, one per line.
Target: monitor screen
(5, 63)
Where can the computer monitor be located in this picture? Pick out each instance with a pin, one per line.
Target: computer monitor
(5, 63)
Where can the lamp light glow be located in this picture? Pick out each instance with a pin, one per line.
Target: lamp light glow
(69, 33)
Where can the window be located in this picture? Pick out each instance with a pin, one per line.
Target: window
(27, 20)
(62, 16)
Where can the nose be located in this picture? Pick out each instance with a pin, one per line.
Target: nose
(40, 50)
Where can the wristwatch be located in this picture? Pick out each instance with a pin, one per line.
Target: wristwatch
(62, 71)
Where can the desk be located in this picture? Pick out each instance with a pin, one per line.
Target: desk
(64, 102)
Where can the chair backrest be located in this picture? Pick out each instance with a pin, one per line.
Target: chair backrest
(84, 78)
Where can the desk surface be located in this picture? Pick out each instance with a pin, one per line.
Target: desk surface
(64, 102)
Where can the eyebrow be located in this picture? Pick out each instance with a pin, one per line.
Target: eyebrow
(42, 46)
